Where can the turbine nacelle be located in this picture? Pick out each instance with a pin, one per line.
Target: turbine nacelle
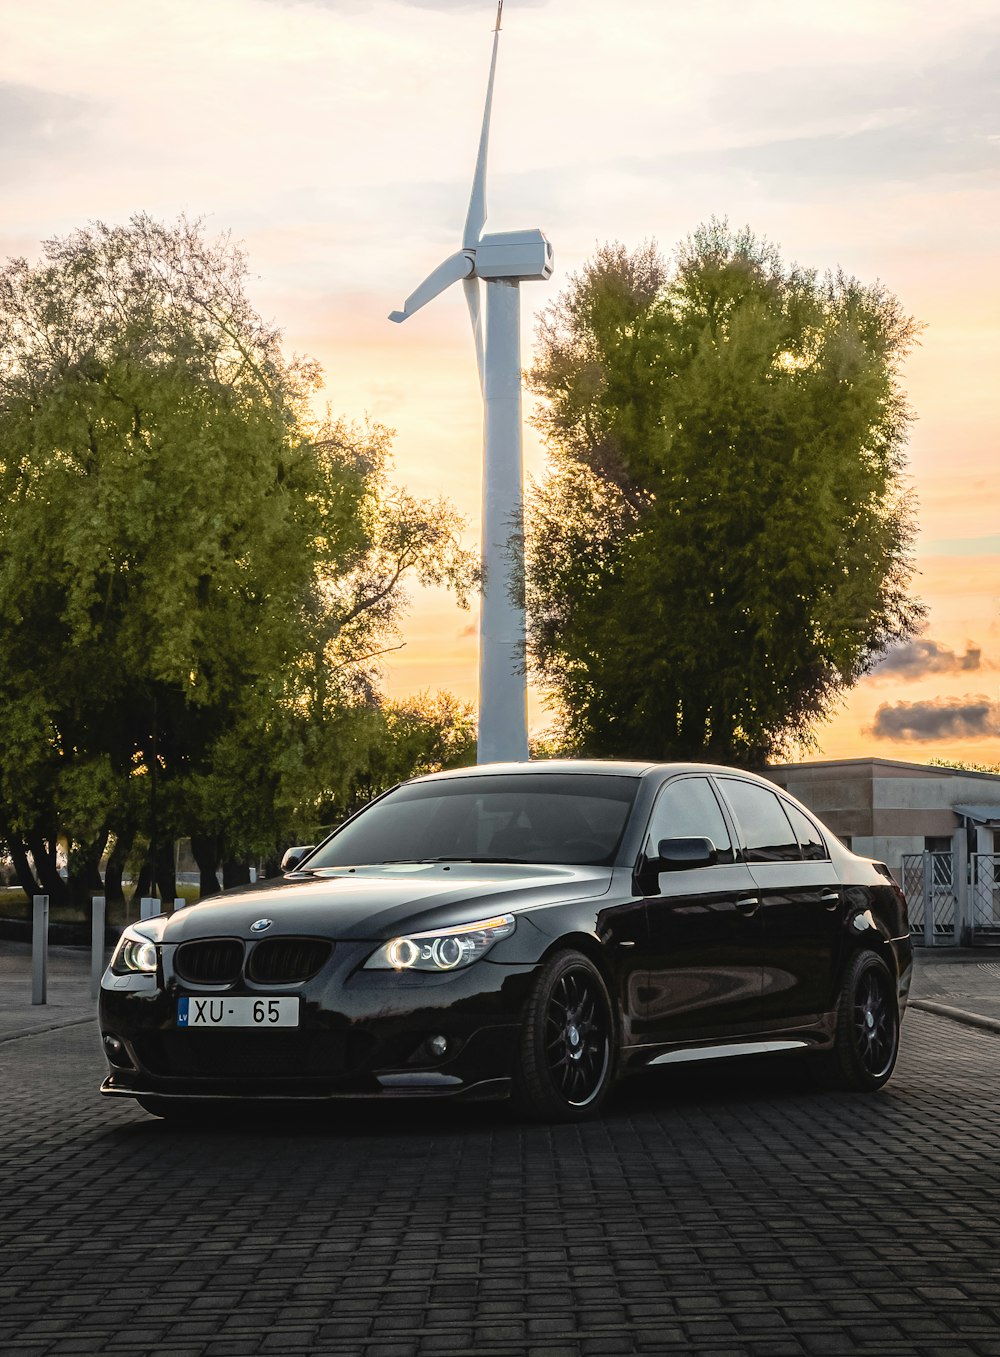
(524, 256)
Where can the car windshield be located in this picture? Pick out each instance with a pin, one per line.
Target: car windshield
(571, 819)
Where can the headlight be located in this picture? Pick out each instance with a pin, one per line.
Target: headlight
(443, 949)
(135, 954)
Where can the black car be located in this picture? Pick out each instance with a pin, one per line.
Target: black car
(531, 930)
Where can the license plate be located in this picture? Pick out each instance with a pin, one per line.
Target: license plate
(238, 1012)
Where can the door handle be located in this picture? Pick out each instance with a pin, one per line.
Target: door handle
(831, 899)
(748, 905)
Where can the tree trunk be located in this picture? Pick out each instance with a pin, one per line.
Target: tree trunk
(96, 884)
(235, 873)
(84, 871)
(142, 884)
(205, 851)
(44, 858)
(115, 868)
(166, 873)
(25, 876)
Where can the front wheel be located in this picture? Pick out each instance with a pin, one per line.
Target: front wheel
(567, 1054)
(867, 1038)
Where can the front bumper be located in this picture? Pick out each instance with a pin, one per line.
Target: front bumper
(361, 1034)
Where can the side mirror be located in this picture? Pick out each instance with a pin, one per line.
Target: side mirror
(294, 856)
(682, 855)
(674, 855)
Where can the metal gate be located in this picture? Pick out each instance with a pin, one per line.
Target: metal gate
(928, 881)
(984, 897)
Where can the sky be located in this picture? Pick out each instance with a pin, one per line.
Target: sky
(336, 139)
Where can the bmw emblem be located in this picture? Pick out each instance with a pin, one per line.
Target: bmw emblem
(261, 925)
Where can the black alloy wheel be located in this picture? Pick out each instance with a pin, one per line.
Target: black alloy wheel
(567, 1056)
(867, 1039)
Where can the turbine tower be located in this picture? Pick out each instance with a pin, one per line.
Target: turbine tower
(503, 261)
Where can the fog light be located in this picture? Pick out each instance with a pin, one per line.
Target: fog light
(114, 1049)
(437, 1046)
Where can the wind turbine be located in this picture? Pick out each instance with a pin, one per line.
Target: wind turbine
(503, 261)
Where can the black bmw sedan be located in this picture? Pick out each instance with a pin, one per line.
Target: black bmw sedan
(525, 930)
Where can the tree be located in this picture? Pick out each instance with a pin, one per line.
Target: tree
(721, 544)
(194, 569)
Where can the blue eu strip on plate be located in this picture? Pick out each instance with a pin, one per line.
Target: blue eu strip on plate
(182, 1012)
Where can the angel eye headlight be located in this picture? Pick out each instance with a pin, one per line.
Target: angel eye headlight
(445, 949)
(134, 955)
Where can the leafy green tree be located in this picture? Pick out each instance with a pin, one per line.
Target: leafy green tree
(425, 734)
(721, 545)
(964, 765)
(194, 569)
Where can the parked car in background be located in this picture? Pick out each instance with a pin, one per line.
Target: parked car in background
(527, 930)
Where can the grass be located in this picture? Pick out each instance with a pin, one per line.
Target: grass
(14, 904)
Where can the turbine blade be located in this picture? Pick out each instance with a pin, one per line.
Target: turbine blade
(473, 297)
(455, 267)
(476, 219)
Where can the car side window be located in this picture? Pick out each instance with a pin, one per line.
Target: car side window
(687, 808)
(766, 832)
(808, 835)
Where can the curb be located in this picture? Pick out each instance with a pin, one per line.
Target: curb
(60, 934)
(961, 1015)
(52, 1027)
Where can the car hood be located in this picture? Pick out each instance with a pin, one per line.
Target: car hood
(375, 903)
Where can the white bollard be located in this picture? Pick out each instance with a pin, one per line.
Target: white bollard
(253, 876)
(148, 906)
(97, 944)
(179, 902)
(39, 949)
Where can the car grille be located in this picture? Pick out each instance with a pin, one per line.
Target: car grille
(236, 1055)
(215, 961)
(250, 1055)
(287, 961)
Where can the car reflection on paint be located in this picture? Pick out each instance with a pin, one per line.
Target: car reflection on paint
(520, 930)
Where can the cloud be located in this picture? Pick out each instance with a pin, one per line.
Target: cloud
(918, 658)
(962, 546)
(824, 124)
(36, 122)
(967, 718)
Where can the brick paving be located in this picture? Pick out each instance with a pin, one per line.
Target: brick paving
(720, 1211)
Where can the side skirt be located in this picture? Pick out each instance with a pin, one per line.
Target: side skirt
(726, 1051)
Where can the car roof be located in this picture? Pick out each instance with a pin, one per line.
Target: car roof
(607, 767)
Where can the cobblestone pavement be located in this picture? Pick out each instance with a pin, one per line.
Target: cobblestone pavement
(712, 1211)
(69, 998)
(966, 981)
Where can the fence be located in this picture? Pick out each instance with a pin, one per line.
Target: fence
(952, 902)
(928, 881)
(984, 896)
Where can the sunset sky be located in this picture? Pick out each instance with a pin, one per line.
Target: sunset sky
(336, 139)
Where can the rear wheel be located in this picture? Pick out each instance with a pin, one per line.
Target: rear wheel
(867, 1038)
(567, 1050)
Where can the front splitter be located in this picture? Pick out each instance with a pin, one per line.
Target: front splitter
(484, 1090)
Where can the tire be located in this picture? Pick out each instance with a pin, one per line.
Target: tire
(567, 1053)
(867, 1033)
